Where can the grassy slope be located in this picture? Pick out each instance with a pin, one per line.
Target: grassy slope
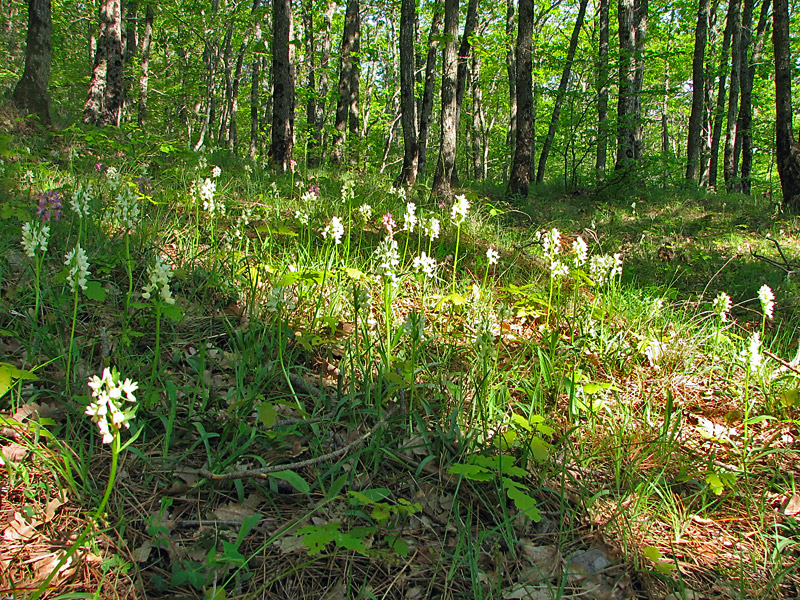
(631, 428)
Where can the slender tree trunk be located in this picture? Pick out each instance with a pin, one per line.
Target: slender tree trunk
(562, 91)
(640, 13)
(232, 136)
(511, 63)
(311, 85)
(665, 139)
(729, 166)
(30, 94)
(520, 167)
(255, 83)
(787, 149)
(144, 79)
(426, 106)
(354, 129)
(283, 77)
(131, 37)
(351, 21)
(745, 138)
(105, 100)
(479, 140)
(227, 70)
(602, 91)
(719, 112)
(626, 108)
(408, 175)
(324, 83)
(698, 92)
(447, 155)
(464, 50)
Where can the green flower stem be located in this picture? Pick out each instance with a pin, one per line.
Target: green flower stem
(157, 352)
(455, 256)
(71, 337)
(115, 449)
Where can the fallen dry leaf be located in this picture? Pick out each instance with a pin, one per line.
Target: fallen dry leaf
(14, 453)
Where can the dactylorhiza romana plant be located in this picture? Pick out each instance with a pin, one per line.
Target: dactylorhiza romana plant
(722, 307)
(78, 264)
(387, 260)
(458, 213)
(753, 362)
(35, 238)
(110, 393)
(159, 275)
(767, 299)
(492, 256)
(80, 203)
(126, 215)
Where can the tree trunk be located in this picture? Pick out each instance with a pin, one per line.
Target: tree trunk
(255, 83)
(744, 141)
(511, 62)
(30, 94)
(283, 78)
(131, 37)
(729, 166)
(426, 106)
(698, 92)
(408, 175)
(562, 90)
(464, 50)
(719, 112)
(232, 136)
(144, 79)
(602, 91)
(105, 100)
(227, 70)
(479, 140)
(640, 14)
(447, 154)
(787, 149)
(351, 22)
(324, 83)
(354, 112)
(626, 104)
(520, 168)
(312, 101)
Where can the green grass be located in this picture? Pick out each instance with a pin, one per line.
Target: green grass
(310, 422)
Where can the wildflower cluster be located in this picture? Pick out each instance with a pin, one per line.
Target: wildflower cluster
(159, 274)
(302, 217)
(106, 409)
(414, 327)
(580, 252)
(206, 193)
(722, 306)
(388, 222)
(126, 210)
(432, 228)
(603, 269)
(113, 177)
(425, 264)
(280, 299)
(78, 265)
(334, 230)
(50, 206)
(145, 185)
(365, 212)
(81, 200)
(410, 217)
(34, 238)
(767, 298)
(216, 172)
(387, 258)
(492, 255)
(459, 210)
(751, 356)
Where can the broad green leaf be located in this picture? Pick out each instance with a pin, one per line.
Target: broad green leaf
(400, 546)
(715, 483)
(336, 486)
(652, 553)
(95, 291)
(267, 414)
(525, 503)
(521, 421)
(8, 373)
(473, 472)
(300, 484)
(791, 398)
(172, 312)
(354, 274)
(539, 448)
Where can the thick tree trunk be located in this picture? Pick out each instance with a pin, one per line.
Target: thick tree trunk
(511, 64)
(131, 32)
(144, 79)
(787, 149)
(447, 155)
(351, 23)
(30, 94)
(719, 111)
(283, 77)
(354, 129)
(520, 167)
(698, 92)
(105, 100)
(426, 106)
(562, 90)
(729, 166)
(602, 91)
(324, 83)
(464, 50)
(408, 175)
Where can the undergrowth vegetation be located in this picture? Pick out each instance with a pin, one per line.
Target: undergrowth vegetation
(223, 382)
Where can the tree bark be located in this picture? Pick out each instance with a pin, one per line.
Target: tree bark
(255, 82)
(479, 140)
(626, 103)
(426, 106)
(354, 111)
(602, 90)
(131, 33)
(698, 92)
(324, 83)
(640, 14)
(744, 140)
(312, 101)
(447, 154)
(408, 175)
(719, 111)
(464, 50)
(511, 63)
(562, 90)
(144, 79)
(729, 166)
(520, 168)
(106, 96)
(283, 77)
(351, 24)
(787, 149)
(30, 94)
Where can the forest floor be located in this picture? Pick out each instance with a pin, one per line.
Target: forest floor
(317, 417)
